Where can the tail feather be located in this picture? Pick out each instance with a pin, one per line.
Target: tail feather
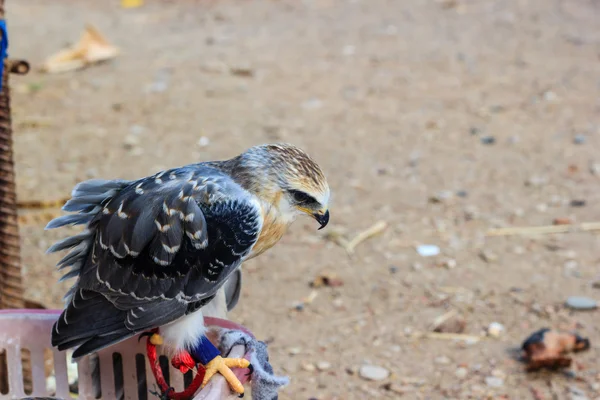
(87, 199)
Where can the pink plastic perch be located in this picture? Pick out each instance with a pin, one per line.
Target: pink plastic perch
(30, 329)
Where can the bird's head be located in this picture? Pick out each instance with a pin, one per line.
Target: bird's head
(285, 177)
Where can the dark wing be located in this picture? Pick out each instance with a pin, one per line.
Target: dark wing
(154, 250)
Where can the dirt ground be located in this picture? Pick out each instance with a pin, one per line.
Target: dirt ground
(492, 107)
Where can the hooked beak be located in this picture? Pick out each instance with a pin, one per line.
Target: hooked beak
(322, 218)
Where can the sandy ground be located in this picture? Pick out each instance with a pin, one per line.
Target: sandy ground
(396, 100)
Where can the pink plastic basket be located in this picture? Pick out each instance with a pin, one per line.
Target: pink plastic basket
(124, 370)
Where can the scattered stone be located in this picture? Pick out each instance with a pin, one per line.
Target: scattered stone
(581, 303)
(596, 284)
(461, 373)
(393, 269)
(449, 263)
(579, 139)
(338, 304)
(488, 256)
(203, 141)
(494, 382)
(398, 389)
(536, 181)
(454, 324)
(326, 279)
(441, 197)
(562, 221)
(309, 367)
(498, 373)
(541, 207)
(488, 140)
(242, 70)
(323, 365)
(294, 351)
(577, 203)
(474, 130)
(462, 193)
(428, 250)
(136, 129)
(595, 169)
(442, 360)
(577, 394)
(130, 142)
(416, 266)
(549, 96)
(312, 104)
(495, 329)
(373, 373)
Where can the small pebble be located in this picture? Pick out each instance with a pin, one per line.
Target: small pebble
(581, 303)
(428, 250)
(495, 329)
(536, 181)
(308, 367)
(294, 351)
(130, 142)
(450, 263)
(488, 256)
(562, 221)
(323, 365)
(462, 193)
(474, 130)
(373, 373)
(242, 70)
(579, 139)
(577, 203)
(494, 382)
(442, 360)
(488, 140)
(203, 141)
(595, 169)
(417, 266)
(441, 197)
(312, 104)
(393, 269)
(461, 373)
(399, 389)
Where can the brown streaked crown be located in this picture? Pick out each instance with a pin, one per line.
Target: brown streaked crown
(281, 164)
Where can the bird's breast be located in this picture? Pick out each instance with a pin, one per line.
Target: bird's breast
(273, 229)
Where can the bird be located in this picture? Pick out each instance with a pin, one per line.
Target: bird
(162, 251)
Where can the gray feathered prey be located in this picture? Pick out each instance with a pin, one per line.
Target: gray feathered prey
(153, 250)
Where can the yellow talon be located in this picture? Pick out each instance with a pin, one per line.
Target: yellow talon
(156, 339)
(223, 366)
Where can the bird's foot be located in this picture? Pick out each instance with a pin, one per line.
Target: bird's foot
(223, 366)
(155, 338)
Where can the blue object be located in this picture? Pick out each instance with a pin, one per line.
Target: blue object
(204, 352)
(3, 48)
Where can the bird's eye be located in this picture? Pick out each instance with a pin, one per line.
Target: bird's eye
(302, 198)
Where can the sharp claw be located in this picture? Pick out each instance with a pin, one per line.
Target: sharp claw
(143, 335)
(251, 368)
(241, 395)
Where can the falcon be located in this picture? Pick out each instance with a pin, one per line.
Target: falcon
(158, 251)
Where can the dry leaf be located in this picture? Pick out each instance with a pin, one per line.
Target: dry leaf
(132, 3)
(91, 48)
